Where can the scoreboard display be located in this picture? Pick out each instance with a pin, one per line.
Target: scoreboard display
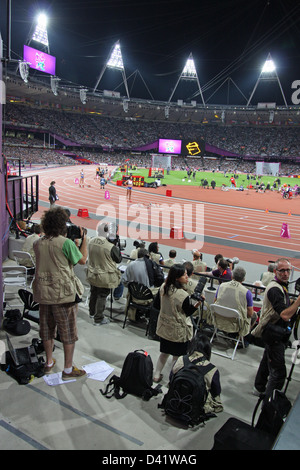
(137, 180)
(193, 147)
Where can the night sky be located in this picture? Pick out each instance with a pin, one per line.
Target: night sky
(229, 40)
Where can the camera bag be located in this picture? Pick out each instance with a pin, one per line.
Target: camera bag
(136, 378)
(15, 324)
(24, 373)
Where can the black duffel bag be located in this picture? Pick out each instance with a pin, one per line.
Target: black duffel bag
(14, 323)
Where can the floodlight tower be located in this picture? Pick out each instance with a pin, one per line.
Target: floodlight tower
(188, 73)
(38, 33)
(114, 61)
(268, 73)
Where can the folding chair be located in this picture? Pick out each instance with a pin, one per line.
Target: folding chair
(31, 308)
(13, 276)
(139, 294)
(23, 258)
(218, 311)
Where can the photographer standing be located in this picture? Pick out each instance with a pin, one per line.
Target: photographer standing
(174, 326)
(274, 329)
(56, 288)
(102, 273)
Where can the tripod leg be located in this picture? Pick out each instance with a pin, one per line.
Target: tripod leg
(289, 378)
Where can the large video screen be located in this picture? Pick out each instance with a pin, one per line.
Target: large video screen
(169, 146)
(39, 60)
(193, 147)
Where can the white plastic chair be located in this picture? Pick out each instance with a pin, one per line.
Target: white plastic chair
(230, 314)
(13, 276)
(23, 258)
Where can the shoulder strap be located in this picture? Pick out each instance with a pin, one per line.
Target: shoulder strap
(203, 369)
(261, 397)
(151, 392)
(113, 389)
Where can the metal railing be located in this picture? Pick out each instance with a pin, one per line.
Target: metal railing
(22, 196)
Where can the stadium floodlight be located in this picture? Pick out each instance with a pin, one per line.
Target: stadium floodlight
(24, 70)
(115, 61)
(268, 73)
(40, 33)
(269, 66)
(189, 70)
(188, 73)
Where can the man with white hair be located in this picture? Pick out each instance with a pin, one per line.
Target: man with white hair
(102, 273)
(199, 265)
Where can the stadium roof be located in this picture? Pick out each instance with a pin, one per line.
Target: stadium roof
(37, 93)
(228, 42)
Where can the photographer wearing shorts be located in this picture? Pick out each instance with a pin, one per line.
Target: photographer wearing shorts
(274, 328)
(56, 287)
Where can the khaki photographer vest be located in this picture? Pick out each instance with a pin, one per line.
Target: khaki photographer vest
(55, 281)
(173, 324)
(102, 270)
(232, 294)
(267, 313)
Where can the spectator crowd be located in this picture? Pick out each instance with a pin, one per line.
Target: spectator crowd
(117, 134)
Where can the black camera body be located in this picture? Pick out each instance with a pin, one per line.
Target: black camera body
(112, 236)
(117, 241)
(233, 261)
(73, 232)
(197, 294)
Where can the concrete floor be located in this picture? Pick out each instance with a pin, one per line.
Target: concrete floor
(75, 416)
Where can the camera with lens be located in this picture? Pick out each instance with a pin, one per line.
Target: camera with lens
(73, 232)
(233, 261)
(197, 294)
(111, 233)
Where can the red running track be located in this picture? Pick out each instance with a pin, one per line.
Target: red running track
(250, 233)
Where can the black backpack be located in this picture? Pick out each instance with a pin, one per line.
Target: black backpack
(187, 393)
(136, 378)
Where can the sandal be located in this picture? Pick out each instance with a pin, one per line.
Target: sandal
(159, 379)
